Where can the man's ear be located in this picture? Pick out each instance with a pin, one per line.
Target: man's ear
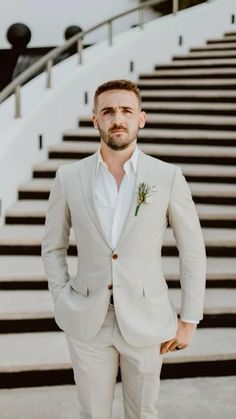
(142, 119)
(95, 123)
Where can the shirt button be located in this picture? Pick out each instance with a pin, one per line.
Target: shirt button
(110, 287)
(114, 256)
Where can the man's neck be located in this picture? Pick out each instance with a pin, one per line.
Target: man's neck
(115, 159)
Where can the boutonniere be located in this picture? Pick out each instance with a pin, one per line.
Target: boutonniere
(144, 191)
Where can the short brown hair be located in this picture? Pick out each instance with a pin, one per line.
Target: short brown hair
(121, 84)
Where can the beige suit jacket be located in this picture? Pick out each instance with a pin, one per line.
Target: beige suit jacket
(144, 311)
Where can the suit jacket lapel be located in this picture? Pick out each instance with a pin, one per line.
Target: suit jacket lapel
(141, 176)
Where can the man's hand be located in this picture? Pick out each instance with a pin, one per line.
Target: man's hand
(184, 335)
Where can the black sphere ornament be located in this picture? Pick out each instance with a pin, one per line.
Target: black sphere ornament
(71, 31)
(18, 35)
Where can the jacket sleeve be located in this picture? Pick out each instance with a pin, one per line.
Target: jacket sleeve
(184, 220)
(56, 238)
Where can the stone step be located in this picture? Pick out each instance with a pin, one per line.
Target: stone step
(26, 304)
(33, 311)
(50, 165)
(220, 272)
(43, 358)
(27, 212)
(209, 193)
(33, 212)
(197, 108)
(186, 96)
(161, 136)
(34, 208)
(186, 84)
(230, 34)
(87, 148)
(205, 399)
(215, 47)
(188, 169)
(204, 119)
(26, 240)
(26, 272)
(166, 152)
(201, 63)
(190, 73)
(229, 39)
(197, 188)
(189, 122)
(20, 272)
(173, 106)
(200, 94)
(202, 55)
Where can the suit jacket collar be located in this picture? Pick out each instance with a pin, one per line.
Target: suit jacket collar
(88, 179)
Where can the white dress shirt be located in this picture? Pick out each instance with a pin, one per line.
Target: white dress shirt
(113, 204)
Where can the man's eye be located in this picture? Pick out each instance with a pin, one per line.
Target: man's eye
(128, 111)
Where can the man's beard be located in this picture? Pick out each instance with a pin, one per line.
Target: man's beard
(116, 142)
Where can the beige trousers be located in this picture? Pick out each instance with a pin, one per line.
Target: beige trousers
(95, 366)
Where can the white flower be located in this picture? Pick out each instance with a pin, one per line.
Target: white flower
(148, 200)
(144, 191)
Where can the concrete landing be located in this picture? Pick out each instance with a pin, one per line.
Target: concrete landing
(205, 398)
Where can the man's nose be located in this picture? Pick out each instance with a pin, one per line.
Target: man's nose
(118, 118)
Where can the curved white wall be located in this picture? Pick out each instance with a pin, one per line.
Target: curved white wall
(49, 112)
(47, 19)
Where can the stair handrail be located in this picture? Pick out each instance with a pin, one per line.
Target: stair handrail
(47, 59)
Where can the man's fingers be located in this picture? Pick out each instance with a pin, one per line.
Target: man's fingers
(166, 345)
(171, 346)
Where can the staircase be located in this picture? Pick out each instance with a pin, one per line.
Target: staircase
(191, 106)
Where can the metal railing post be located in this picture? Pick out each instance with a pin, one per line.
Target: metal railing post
(109, 32)
(141, 18)
(17, 102)
(49, 74)
(175, 6)
(80, 50)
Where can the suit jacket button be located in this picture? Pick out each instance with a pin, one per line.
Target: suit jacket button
(114, 256)
(110, 287)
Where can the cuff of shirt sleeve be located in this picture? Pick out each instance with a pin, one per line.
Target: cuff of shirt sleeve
(190, 321)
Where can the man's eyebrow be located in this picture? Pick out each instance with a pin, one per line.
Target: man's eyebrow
(127, 107)
(106, 108)
(122, 107)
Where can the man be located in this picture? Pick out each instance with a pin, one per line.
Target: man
(116, 310)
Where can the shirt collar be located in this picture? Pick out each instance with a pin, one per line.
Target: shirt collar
(131, 163)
